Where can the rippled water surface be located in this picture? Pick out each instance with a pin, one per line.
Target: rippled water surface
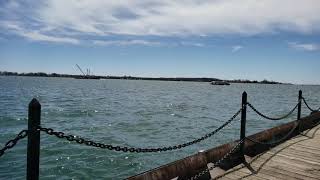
(131, 113)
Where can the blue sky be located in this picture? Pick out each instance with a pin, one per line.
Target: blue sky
(228, 39)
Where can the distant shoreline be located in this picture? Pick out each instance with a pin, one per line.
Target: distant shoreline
(204, 79)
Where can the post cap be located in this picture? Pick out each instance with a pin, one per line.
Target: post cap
(34, 103)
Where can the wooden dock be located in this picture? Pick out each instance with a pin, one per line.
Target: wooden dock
(297, 158)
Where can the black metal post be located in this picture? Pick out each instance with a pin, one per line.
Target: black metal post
(299, 112)
(33, 151)
(299, 105)
(243, 121)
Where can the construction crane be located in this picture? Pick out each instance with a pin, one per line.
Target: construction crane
(86, 75)
(81, 70)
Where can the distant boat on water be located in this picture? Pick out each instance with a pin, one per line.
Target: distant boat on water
(219, 83)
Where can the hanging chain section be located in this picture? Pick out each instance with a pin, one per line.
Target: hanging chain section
(278, 141)
(217, 163)
(81, 140)
(312, 110)
(11, 143)
(272, 118)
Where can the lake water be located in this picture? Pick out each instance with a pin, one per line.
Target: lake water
(131, 113)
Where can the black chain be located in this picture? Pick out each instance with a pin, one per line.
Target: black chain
(273, 118)
(11, 143)
(278, 141)
(80, 140)
(197, 176)
(312, 110)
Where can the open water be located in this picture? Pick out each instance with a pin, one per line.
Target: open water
(132, 113)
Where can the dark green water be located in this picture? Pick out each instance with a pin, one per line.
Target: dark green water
(131, 113)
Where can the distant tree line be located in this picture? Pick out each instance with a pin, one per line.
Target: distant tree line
(164, 78)
(42, 74)
(39, 74)
(248, 81)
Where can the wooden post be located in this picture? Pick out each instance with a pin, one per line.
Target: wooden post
(299, 105)
(243, 121)
(33, 151)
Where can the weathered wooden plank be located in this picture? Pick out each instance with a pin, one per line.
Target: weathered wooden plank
(305, 148)
(302, 155)
(298, 160)
(308, 146)
(284, 170)
(265, 175)
(215, 172)
(287, 165)
(247, 174)
(231, 176)
(242, 172)
(238, 175)
(299, 152)
(281, 173)
(290, 160)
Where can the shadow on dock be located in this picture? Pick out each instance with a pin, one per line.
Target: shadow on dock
(246, 170)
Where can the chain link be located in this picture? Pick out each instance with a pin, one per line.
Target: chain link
(80, 140)
(273, 118)
(197, 176)
(11, 143)
(312, 110)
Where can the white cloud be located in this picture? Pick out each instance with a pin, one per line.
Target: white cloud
(35, 35)
(304, 46)
(236, 48)
(126, 42)
(144, 43)
(196, 44)
(165, 17)
(173, 17)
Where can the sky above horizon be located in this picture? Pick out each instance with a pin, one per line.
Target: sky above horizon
(226, 39)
